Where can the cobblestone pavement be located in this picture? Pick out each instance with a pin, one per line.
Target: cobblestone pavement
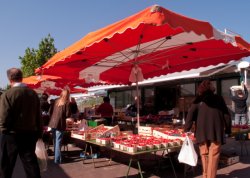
(152, 166)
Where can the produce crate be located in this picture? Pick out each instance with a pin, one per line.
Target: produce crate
(161, 134)
(95, 132)
(112, 131)
(101, 131)
(229, 159)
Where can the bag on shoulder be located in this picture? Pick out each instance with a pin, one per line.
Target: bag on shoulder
(187, 153)
(41, 154)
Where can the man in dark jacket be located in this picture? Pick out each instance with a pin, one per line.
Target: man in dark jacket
(20, 126)
(212, 120)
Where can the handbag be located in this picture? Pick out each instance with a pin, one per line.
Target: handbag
(41, 155)
(187, 153)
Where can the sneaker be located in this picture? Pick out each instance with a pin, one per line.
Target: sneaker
(95, 155)
(83, 155)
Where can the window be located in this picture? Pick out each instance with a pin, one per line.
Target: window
(188, 89)
(123, 98)
(149, 101)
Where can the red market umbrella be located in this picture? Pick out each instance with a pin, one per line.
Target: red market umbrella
(57, 91)
(52, 85)
(34, 80)
(153, 42)
(157, 39)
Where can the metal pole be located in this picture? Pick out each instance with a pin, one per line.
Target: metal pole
(245, 75)
(137, 104)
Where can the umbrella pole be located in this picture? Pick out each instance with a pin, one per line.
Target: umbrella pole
(137, 106)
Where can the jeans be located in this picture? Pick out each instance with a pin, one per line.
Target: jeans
(22, 144)
(57, 140)
(240, 119)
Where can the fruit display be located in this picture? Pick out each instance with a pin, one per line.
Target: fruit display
(153, 139)
(171, 134)
(240, 128)
(97, 132)
(138, 143)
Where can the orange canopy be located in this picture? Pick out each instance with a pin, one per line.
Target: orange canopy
(52, 84)
(158, 40)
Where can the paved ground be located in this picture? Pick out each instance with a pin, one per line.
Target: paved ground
(73, 166)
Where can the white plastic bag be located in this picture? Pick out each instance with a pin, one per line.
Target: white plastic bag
(41, 154)
(188, 154)
(83, 125)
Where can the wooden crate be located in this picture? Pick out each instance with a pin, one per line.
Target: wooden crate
(229, 159)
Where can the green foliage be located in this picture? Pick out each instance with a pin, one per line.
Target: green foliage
(89, 102)
(34, 58)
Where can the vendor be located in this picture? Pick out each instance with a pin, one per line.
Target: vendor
(106, 110)
(131, 110)
(240, 100)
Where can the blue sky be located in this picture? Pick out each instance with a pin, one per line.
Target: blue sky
(25, 23)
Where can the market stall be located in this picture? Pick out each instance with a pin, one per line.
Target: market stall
(160, 42)
(132, 145)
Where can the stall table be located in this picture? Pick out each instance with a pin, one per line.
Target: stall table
(242, 137)
(132, 156)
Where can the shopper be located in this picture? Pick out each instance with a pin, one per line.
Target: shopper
(61, 111)
(106, 111)
(240, 101)
(74, 109)
(211, 117)
(45, 108)
(51, 106)
(20, 126)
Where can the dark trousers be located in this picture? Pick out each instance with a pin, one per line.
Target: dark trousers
(108, 121)
(23, 145)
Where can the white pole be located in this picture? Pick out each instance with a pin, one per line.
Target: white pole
(245, 74)
(137, 102)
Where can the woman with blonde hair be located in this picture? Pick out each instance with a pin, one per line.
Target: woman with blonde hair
(61, 111)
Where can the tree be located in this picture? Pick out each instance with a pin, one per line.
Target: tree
(34, 58)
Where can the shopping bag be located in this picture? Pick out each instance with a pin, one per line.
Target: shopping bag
(187, 153)
(83, 126)
(42, 156)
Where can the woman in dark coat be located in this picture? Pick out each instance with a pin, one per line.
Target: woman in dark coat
(61, 111)
(211, 117)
